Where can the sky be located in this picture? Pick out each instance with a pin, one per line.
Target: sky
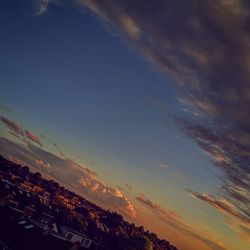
(140, 106)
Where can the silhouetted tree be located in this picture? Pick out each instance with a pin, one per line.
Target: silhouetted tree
(136, 243)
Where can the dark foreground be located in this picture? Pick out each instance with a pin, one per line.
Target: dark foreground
(14, 235)
(39, 214)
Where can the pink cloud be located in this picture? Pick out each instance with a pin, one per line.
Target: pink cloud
(19, 132)
(33, 137)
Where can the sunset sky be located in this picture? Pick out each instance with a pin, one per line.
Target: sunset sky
(140, 106)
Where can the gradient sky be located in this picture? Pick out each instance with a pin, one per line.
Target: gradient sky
(141, 107)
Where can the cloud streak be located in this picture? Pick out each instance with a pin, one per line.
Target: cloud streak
(32, 137)
(19, 132)
(238, 220)
(59, 150)
(222, 205)
(13, 126)
(173, 220)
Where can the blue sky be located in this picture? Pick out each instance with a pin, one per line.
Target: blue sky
(101, 91)
(82, 83)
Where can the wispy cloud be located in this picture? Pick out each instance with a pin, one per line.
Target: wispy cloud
(177, 175)
(171, 172)
(172, 219)
(164, 165)
(222, 205)
(237, 219)
(13, 126)
(18, 131)
(41, 6)
(33, 137)
(59, 150)
(155, 206)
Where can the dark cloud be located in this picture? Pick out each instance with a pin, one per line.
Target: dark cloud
(173, 220)
(70, 174)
